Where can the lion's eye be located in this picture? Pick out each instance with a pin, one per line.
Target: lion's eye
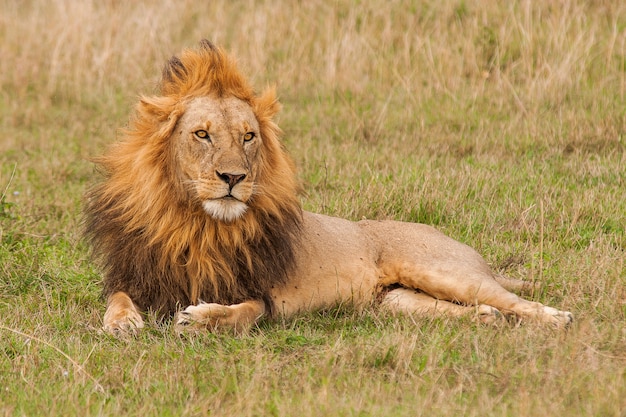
(248, 136)
(202, 134)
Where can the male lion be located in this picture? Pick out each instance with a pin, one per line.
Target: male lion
(199, 208)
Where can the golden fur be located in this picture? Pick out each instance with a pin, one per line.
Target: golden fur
(199, 209)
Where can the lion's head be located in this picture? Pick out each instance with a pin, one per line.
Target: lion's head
(199, 199)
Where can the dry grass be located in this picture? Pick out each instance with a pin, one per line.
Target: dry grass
(503, 126)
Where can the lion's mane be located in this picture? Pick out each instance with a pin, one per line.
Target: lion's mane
(157, 244)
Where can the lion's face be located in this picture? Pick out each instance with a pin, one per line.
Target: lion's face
(217, 143)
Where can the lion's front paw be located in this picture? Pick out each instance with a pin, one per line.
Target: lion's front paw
(122, 318)
(202, 316)
(122, 323)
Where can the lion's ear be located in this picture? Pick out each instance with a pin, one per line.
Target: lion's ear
(266, 105)
(173, 73)
(157, 107)
(164, 110)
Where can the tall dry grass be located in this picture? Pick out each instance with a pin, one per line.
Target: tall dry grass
(532, 53)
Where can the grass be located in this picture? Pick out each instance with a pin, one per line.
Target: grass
(502, 126)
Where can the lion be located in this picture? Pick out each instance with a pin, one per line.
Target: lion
(198, 218)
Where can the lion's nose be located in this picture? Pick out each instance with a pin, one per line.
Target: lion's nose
(230, 179)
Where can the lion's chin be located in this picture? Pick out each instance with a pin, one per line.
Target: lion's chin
(226, 210)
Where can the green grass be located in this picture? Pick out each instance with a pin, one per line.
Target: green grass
(505, 127)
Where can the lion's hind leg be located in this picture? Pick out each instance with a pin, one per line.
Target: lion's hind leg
(411, 302)
(420, 257)
(237, 317)
(476, 286)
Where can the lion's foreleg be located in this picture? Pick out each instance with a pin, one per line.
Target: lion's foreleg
(122, 315)
(238, 317)
(411, 302)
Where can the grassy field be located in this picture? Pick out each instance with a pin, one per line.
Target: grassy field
(504, 126)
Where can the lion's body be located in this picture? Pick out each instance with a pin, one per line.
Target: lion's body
(358, 262)
(199, 208)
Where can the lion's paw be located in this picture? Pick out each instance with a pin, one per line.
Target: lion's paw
(561, 319)
(123, 323)
(202, 316)
(489, 315)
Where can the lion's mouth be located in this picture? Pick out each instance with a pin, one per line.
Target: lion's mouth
(224, 198)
